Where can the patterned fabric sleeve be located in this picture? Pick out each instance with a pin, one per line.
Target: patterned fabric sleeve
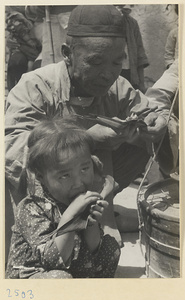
(35, 225)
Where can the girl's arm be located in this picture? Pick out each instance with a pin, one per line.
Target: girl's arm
(65, 242)
(92, 234)
(92, 237)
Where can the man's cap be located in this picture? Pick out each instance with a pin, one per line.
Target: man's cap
(96, 21)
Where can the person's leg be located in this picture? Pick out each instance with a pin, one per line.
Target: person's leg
(107, 258)
(83, 266)
(108, 220)
(17, 65)
(102, 264)
(125, 73)
(128, 162)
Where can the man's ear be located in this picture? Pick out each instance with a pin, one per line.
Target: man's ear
(66, 52)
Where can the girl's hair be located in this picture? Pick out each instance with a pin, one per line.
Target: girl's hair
(51, 137)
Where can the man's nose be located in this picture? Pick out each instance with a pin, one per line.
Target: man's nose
(106, 75)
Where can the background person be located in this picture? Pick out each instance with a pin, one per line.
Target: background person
(54, 25)
(24, 48)
(171, 47)
(135, 59)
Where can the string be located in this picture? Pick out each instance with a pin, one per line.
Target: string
(152, 159)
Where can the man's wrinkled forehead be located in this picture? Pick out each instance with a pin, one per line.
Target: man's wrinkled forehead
(96, 21)
(99, 42)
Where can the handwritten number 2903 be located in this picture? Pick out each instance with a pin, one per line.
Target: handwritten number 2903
(24, 295)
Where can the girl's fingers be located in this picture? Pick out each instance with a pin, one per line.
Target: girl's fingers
(96, 208)
(99, 206)
(102, 203)
(91, 220)
(83, 200)
(91, 200)
(92, 197)
(96, 215)
(92, 194)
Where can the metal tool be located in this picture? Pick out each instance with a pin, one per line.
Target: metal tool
(113, 123)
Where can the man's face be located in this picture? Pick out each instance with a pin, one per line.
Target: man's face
(95, 64)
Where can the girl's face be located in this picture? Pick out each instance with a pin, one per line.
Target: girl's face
(73, 176)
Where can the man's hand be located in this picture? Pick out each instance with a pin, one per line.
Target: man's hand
(155, 129)
(106, 137)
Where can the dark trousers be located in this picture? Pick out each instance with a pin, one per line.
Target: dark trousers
(17, 65)
(126, 74)
(128, 162)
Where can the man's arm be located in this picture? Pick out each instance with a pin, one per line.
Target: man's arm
(163, 93)
(124, 101)
(158, 99)
(169, 55)
(26, 106)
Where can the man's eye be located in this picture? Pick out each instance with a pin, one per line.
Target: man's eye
(85, 169)
(64, 176)
(96, 62)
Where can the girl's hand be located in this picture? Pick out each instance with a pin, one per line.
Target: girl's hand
(80, 203)
(96, 211)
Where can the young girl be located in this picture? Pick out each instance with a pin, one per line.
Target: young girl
(57, 231)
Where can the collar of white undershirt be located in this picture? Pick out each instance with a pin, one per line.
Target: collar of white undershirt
(81, 101)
